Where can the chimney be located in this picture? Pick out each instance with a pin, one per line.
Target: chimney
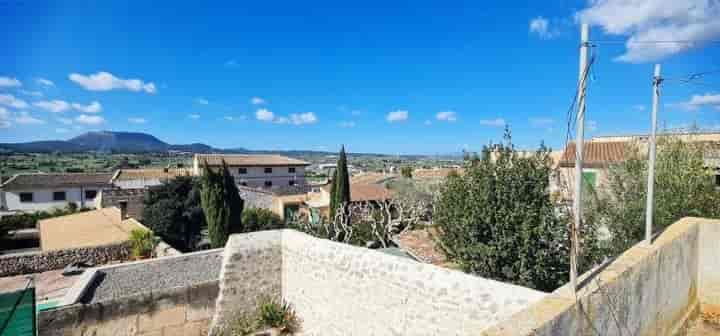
(123, 209)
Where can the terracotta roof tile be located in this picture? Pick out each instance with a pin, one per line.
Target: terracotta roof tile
(369, 192)
(421, 244)
(154, 173)
(85, 229)
(595, 154)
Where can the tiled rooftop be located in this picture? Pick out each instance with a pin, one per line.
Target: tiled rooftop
(249, 160)
(41, 180)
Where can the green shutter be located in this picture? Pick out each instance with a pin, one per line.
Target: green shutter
(590, 178)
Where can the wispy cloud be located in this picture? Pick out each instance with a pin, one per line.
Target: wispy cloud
(54, 106)
(257, 101)
(44, 82)
(65, 121)
(90, 119)
(94, 107)
(201, 101)
(10, 101)
(264, 114)
(105, 81)
(427, 123)
(397, 116)
(497, 122)
(4, 116)
(35, 94)
(194, 116)
(24, 118)
(697, 101)
(450, 116)
(347, 124)
(655, 20)
(61, 130)
(9, 82)
(639, 107)
(137, 120)
(541, 27)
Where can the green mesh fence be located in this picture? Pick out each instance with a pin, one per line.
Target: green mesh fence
(17, 313)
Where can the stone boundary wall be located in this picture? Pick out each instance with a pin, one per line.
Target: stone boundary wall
(251, 269)
(176, 311)
(51, 260)
(648, 290)
(134, 197)
(339, 289)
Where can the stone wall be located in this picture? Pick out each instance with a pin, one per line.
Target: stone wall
(338, 289)
(175, 311)
(25, 263)
(133, 197)
(648, 290)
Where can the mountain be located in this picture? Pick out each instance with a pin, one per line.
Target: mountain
(107, 141)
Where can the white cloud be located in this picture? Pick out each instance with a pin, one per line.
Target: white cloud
(4, 113)
(541, 122)
(25, 118)
(257, 101)
(229, 118)
(194, 116)
(201, 101)
(397, 116)
(137, 120)
(90, 119)
(54, 106)
(9, 82)
(105, 81)
(10, 101)
(5, 124)
(94, 107)
(497, 122)
(697, 101)
(654, 20)
(32, 93)
(44, 82)
(303, 118)
(65, 121)
(347, 124)
(541, 26)
(450, 116)
(61, 130)
(264, 115)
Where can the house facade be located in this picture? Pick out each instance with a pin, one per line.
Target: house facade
(257, 171)
(42, 192)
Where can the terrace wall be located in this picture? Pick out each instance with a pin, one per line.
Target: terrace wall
(648, 290)
(35, 262)
(338, 289)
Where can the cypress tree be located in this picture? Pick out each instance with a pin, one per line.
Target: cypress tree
(340, 192)
(221, 204)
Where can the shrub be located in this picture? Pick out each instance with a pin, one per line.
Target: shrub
(142, 243)
(281, 315)
(256, 219)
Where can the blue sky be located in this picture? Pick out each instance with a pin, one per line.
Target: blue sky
(390, 77)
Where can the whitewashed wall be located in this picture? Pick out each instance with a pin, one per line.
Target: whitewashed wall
(43, 199)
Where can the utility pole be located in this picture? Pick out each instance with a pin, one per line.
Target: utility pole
(651, 158)
(579, 142)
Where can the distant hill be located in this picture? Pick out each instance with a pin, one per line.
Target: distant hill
(107, 141)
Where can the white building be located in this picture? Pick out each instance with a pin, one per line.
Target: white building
(35, 192)
(263, 171)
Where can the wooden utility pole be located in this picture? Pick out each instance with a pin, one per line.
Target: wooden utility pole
(651, 158)
(579, 142)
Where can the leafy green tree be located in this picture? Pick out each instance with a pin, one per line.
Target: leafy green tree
(497, 219)
(257, 219)
(221, 204)
(406, 171)
(340, 190)
(173, 212)
(683, 187)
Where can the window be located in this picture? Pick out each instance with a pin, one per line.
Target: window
(58, 196)
(590, 178)
(243, 184)
(291, 170)
(717, 180)
(268, 170)
(291, 182)
(90, 194)
(268, 183)
(242, 170)
(26, 197)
